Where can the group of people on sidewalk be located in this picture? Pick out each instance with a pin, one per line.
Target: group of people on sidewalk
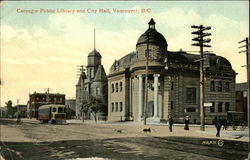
(216, 122)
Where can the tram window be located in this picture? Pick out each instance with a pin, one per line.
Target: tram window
(60, 110)
(54, 110)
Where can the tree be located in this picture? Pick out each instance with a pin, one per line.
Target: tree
(10, 109)
(96, 106)
(84, 108)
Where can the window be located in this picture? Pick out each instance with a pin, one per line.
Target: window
(212, 86)
(98, 91)
(172, 105)
(116, 106)
(227, 85)
(227, 104)
(113, 107)
(220, 65)
(116, 67)
(172, 85)
(37, 98)
(92, 73)
(54, 110)
(121, 107)
(220, 107)
(148, 53)
(116, 87)
(212, 107)
(60, 110)
(191, 109)
(219, 86)
(191, 96)
(120, 86)
(113, 89)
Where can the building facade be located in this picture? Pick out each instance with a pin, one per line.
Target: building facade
(241, 98)
(71, 107)
(92, 82)
(173, 83)
(38, 99)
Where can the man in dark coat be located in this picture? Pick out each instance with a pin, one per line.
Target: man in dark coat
(217, 124)
(170, 123)
(186, 123)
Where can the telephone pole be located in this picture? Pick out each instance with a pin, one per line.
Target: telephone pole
(248, 82)
(201, 42)
(47, 95)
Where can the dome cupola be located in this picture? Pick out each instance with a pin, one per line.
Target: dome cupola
(151, 36)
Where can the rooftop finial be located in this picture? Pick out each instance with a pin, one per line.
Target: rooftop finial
(151, 24)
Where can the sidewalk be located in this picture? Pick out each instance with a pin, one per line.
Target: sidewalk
(161, 129)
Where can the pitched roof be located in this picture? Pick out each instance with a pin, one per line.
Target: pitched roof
(81, 78)
(100, 74)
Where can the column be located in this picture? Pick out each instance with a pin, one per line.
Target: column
(140, 107)
(156, 81)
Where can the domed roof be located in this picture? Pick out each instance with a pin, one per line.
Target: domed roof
(94, 53)
(154, 37)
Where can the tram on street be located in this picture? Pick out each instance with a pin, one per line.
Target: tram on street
(52, 113)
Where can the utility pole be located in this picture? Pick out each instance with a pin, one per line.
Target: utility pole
(201, 42)
(47, 95)
(248, 82)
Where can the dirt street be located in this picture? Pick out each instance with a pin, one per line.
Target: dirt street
(31, 141)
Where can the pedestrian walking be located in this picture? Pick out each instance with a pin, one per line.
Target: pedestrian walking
(170, 123)
(217, 124)
(186, 123)
(18, 116)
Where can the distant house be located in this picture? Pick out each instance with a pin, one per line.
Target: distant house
(241, 98)
(38, 99)
(22, 109)
(71, 107)
(3, 111)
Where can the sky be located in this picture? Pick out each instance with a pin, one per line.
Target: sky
(42, 44)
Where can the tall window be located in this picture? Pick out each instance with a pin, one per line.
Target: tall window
(98, 91)
(116, 106)
(219, 86)
(227, 85)
(116, 87)
(113, 88)
(113, 107)
(120, 86)
(220, 107)
(191, 96)
(91, 72)
(172, 85)
(172, 105)
(227, 104)
(121, 107)
(148, 52)
(212, 86)
(212, 107)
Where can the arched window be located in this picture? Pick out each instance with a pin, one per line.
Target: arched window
(220, 64)
(113, 88)
(120, 86)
